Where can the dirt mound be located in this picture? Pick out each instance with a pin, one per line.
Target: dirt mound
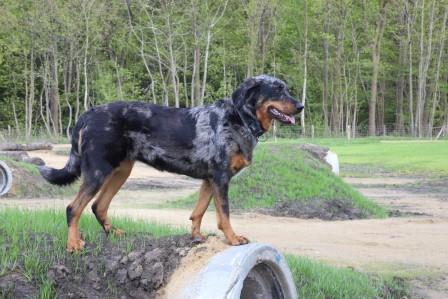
(336, 209)
(135, 267)
(28, 183)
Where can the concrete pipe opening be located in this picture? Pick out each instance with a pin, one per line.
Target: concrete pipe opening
(5, 178)
(252, 271)
(261, 282)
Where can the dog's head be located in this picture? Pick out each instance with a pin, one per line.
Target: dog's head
(267, 98)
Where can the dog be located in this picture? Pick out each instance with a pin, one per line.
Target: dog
(211, 142)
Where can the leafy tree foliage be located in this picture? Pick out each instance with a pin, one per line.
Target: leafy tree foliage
(383, 60)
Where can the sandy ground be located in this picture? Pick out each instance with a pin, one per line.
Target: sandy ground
(415, 246)
(190, 266)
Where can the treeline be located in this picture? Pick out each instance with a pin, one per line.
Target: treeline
(354, 62)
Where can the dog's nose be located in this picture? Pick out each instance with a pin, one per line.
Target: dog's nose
(299, 107)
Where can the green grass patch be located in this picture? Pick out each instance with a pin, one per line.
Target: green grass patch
(37, 240)
(399, 155)
(317, 280)
(406, 156)
(31, 168)
(283, 173)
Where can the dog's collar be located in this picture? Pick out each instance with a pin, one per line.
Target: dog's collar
(251, 123)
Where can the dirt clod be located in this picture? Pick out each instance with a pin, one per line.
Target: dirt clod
(57, 273)
(14, 285)
(135, 270)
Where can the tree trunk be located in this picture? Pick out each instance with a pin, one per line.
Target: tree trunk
(173, 63)
(325, 71)
(305, 55)
(42, 105)
(400, 84)
(376, 51)
(204, 75)
(86, 80)
(253, 20)
(425, 58)
(195, 76)
(409, 21)
(67, 89)
(54, 91)
(78, 88)
(436, 92)
(159, 62)
(212, 23)
(380, 106)
(16, 120)
(30, 102)
(337, 85)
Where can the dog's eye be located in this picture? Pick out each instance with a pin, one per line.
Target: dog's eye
(281, 87)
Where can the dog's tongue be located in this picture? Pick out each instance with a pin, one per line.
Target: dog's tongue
(291, 119)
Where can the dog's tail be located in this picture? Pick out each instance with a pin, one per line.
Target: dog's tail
(66, 175)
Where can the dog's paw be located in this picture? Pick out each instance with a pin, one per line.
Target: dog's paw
(74, 246)
(198, 238)
(239, 240)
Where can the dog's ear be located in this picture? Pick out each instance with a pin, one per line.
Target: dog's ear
(242, 93)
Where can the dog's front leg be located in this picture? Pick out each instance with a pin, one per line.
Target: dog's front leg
(221, 200)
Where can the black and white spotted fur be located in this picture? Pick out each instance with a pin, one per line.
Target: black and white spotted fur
(196, 142)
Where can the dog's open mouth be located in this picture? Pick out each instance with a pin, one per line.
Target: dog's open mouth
(282, 117)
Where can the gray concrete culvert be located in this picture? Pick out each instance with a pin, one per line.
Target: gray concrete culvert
(5, 178)
(252, 271)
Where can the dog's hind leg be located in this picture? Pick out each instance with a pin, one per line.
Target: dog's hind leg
(205, 195)
(108, 190)
(74, 211)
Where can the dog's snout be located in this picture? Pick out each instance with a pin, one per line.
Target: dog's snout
(299, 107)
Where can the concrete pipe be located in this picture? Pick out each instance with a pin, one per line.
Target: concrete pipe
(5, 178)
(252, 271)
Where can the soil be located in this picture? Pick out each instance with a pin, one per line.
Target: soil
(15, 285)
(190, 265)
(338, 209)
(107, 269)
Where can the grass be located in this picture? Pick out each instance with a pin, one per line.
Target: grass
(31, 168)
(281, 173)
(406, 156)
(317, 280)
(24, 239)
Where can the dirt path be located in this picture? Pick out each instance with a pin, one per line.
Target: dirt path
(416, 245)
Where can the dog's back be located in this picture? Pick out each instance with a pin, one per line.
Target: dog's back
(179, 140)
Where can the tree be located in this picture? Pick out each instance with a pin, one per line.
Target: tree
(376, 52)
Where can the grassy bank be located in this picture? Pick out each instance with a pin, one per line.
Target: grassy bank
(317, 280)
(282, 173)
(26, 248)
(32, 241)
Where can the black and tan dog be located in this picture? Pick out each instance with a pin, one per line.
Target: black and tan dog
(211, 143)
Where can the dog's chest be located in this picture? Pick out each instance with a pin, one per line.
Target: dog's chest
(237, 162)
